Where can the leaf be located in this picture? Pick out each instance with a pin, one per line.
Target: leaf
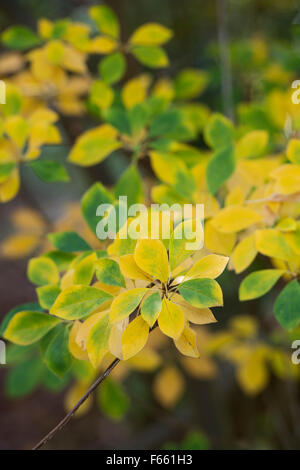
(286, 307)
(32, 306)
(97, 341)
(219, 132)
(20, 37)
(47, 295)
(151, 34)
(293, 151)
(108, 271)
(202, 293)
(210, 266)
(152, 257)
(68, 241)
(113, 400)
(123, 305)
(94, 145)
(106, 20)
(49, 171)
(84, 270)
(151, 308)
(42, 271)
(272, 243)
(134, 337)
(171, 319)
(101, 95)
(96, 195)
(74, 347)
(165, 123)
(253, 375)
(151, 56)
(185, 234)
(252, 144)
(57, 356)
(287, 179)
(199, 316)
(186, 343)
(112, 68)
(235, 218)
(23, 378)
(130, 184)
(220, 167)
(118, 118)
(173, 171)
(190, 83)
(244, 253)
(168, 387)
(27, 327)
(259, 283)
(78, 301)
(135, 91)
(218, 242)
(6, 170)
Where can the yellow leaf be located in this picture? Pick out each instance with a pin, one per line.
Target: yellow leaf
(253, 375)
(10, 188)
(152, 257)
(244, 325)
(123, 305)
(101, 45)
(234, 219)
(186, 343)
(171, 319)
(151, 34)
(199, 316)
(73, 395)
(252, 145)
(235, 197)
(134, 337)
(287, 179)
(272, 243)
(210, 266)
(135, 91)
(145, 361)
(218, 242)
(130, 269)
(115, 339)
(74, 348)
(244, 253)
(18, 246)
(29, 220)
(200, 368)
(293, 151)
(17, 129)
(168, 387)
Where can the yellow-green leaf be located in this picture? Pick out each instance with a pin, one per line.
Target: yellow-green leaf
(27, 327)
(98, 340)
(151, 308)
(272, 243)
(259, 283)
(151, 34)
(42, 271)
(126, 303)
(202, 293)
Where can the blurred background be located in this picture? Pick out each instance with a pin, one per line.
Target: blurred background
(211, 405)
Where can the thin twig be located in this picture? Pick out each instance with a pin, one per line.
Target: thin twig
(67, 418)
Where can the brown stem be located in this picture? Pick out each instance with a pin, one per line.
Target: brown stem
(67, 418)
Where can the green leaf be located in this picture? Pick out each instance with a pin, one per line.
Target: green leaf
(57, 356)
(60, 258)
(49, 171)
(108, 271)
(106, 20)
(42, 271)
(84, 270)
(22, 379)
(78, 301)
(219, 131)
(68, 241)
(166, 123)
(5, 170)
(20, 37)
(138, 117)
(97, 341)
(113, 400)
(220, 167)
(202, 293)
(130, 184)
(151, 308)
(94, 196)
(47, 295)
(27, 327)
(259, 283)
(151, 56)
(287, 304)
(33, 306)
(16, 354)
(117, 117)
(112, 68)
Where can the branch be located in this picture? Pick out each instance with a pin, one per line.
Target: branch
(67, 418)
